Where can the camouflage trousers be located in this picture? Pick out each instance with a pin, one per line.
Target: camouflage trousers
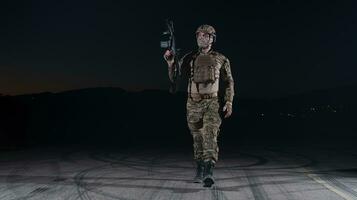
(204, 121)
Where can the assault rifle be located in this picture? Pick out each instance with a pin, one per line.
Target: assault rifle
(168, 42)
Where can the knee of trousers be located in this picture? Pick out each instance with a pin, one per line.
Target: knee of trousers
(211, 131)
(194, 120)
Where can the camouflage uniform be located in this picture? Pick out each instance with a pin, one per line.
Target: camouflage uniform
(203, 116)
(204, 121)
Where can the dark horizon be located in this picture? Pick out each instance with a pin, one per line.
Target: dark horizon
(105, 116)
(350, 87)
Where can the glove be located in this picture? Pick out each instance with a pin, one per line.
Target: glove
(228, 109)
(169, 57)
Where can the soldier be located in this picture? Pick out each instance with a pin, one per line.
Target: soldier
(204, 67)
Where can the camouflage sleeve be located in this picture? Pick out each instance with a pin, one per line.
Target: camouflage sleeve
(182, 68)
(228, 79)
(172, 73)
(176, 75)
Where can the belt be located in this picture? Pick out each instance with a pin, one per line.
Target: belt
(198, 97)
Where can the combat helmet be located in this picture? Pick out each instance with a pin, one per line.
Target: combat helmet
(205, 28)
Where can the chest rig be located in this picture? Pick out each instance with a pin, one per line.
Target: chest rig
(203, 69)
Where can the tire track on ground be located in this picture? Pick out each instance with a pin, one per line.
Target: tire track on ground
(327, 181)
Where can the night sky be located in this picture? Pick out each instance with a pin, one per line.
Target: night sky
(275, 47)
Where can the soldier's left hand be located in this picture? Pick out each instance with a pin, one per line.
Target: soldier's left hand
(228, 109)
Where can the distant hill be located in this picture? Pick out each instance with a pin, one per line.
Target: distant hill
(118, 117)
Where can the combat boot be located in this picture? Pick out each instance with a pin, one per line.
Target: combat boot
(199, 172)
(208, 179)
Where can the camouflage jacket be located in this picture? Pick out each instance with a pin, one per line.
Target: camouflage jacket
(222, 64)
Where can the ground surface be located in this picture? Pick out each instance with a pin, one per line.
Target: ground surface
(244, 173)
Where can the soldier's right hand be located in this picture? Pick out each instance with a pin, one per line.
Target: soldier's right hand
(169, 57)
